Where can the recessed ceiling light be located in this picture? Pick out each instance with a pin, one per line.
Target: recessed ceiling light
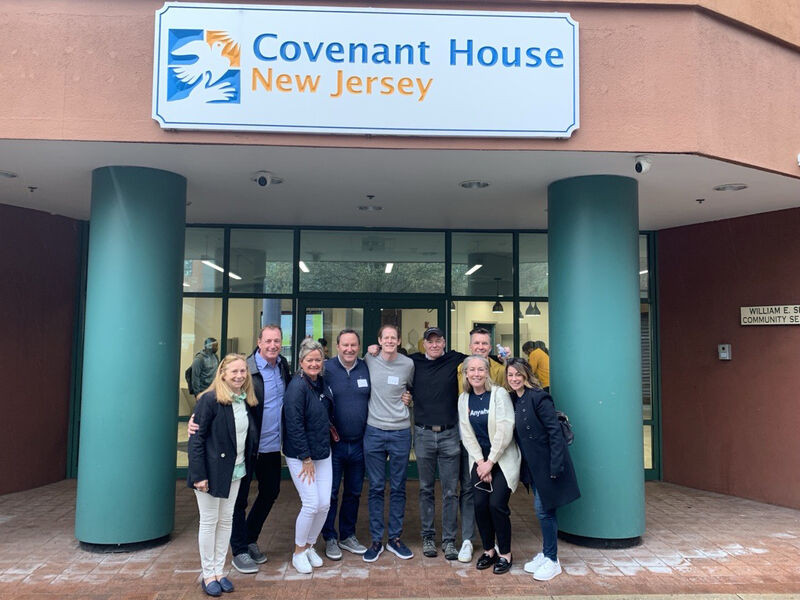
(8, 174)
(473, 184)
(730, 187)
(371, 208)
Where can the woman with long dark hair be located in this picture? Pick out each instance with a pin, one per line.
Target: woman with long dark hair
(547, 466)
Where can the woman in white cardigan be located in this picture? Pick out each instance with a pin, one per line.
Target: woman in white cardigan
(486, 421)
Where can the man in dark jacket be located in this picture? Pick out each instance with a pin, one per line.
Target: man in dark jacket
(204, 366)
(348, 377)
(270, 373)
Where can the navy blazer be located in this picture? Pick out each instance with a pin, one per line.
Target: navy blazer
(545, 458)
(212, 450)
(258, 385)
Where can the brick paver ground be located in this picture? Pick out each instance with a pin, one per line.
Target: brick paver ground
(696, 543)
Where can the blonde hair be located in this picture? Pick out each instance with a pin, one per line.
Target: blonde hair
(307, 346)
(465, 381)
(223, 390)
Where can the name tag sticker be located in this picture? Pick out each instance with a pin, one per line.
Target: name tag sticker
(393, 380)
(362, 383)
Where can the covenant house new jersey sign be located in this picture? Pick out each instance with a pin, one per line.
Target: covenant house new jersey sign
(365, 70)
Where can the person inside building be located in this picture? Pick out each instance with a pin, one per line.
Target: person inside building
(547, 465)
(219, 461)
(204, 366)
(307, 415)
(486, 421)
(348, 377)
(539, 360)
(387, 435)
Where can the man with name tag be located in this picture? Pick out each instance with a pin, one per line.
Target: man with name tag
(388, 433)
(348, 377)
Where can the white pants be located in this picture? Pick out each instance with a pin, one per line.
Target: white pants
(315, 497)
(214, 534)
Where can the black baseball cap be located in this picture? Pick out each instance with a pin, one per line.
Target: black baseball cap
(432, 331)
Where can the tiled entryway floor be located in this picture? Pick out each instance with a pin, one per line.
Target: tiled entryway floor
(696, 543)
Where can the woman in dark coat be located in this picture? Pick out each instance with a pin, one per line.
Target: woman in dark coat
(220, 454)
(307, 412)
(546, 463)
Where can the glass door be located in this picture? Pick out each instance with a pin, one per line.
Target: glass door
(324, 319)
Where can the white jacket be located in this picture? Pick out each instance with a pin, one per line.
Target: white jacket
(504, 451)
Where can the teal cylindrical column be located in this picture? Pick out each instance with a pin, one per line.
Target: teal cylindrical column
(126, 464)
(595, 346)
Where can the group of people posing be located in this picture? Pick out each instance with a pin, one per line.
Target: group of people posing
(486, 424)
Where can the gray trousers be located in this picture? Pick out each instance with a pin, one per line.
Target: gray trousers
(443, 450)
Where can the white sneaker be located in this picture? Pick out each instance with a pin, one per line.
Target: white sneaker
(534, 563)
(301, 564)
(313, 558)
(465, 554)
(547, 570)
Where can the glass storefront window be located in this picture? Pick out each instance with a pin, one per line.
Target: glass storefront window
(372, 261)
(533, 264)
(203, 259)
(261, 261)
(246, 317)
(326, 323)
(470, 314)
(533, 327)
(202, 318)
(482, 264)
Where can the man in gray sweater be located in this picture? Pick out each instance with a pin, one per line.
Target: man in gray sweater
(388, 433)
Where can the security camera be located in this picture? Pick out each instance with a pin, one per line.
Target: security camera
(642, 164)
(263, 178)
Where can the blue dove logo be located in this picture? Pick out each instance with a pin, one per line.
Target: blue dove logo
(203, 67)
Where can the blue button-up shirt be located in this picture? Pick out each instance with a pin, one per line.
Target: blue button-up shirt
(274, 387)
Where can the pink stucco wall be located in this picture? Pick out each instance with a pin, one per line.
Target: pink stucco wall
(654, 78)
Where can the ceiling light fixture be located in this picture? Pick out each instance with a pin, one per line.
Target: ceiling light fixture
(473, 184)
(186, 284)
(497, 307)
(533, 311)
(302, 266)
(472, 269)
(389, 267)
(452, 306)
(643, 272)
(233, 275)
(8, 174)
(371, 208)
(213, 265)
(730, 187)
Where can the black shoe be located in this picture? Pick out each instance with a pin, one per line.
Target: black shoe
(502, 566)
(485, 561)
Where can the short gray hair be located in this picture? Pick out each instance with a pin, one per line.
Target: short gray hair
(307, 346)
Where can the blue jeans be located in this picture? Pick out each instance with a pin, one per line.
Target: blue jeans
(547, 520)
(378, 444)
(442, 449)
(347, 460)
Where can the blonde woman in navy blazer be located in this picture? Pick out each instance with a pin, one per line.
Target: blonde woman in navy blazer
(220, 454)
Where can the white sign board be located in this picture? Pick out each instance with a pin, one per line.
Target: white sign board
(365, 70)
(778, 314)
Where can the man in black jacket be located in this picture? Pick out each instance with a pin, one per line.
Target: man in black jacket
(271, 376)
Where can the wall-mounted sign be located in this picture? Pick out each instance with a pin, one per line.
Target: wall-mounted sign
(365, 70)
(778, 314)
